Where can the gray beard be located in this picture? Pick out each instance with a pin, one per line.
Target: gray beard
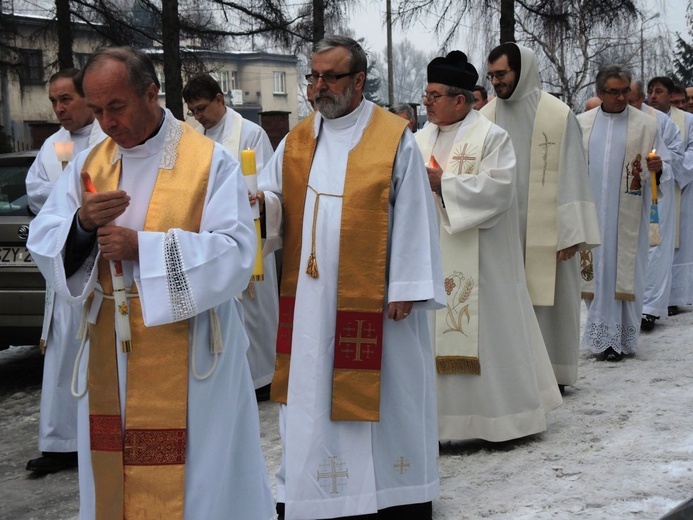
(332, 105)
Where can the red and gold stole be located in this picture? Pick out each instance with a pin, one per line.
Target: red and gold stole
(362, 263)
(141, 473)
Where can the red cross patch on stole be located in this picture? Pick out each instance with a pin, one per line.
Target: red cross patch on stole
(358, 340)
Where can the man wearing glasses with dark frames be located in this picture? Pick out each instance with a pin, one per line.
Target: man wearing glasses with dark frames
(623, 145)
(260, 300)
(355, 370)
(556, 205)
(494, 376)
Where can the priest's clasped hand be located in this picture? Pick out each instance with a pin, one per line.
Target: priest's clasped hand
(99, 209)
(434, 175)
(399, 310)
(118, 243)
(258, 197)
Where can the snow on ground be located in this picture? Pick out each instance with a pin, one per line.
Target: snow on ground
(620, 447)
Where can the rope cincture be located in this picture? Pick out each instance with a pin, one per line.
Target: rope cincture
(312, 267)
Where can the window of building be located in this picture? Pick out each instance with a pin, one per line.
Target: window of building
(81, 59)
(31, 68)
(280, 82)
(234, 80)
(162, 82)
(222, 77)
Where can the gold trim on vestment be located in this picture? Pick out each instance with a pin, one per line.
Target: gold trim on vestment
(363, 243)
(157, 381)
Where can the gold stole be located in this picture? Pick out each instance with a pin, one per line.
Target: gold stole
(457, 325)
(541, 242)
(233, 141)
(641, 133)
(678, 116)
(142, 473)
(362, 263)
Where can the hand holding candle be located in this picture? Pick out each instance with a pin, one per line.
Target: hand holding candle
(435, 173)
(248, 165)
(119, 293)
(654, 165)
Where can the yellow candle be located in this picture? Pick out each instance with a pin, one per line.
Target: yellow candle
(653, 178)
(248, 162)
(249, 168)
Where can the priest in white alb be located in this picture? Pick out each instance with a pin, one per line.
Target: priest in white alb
(58, 413)
(662, 244)
(260, 299)
(626, 155)
(135, 230)
(495, 380)
(355, 371)
(556, 206)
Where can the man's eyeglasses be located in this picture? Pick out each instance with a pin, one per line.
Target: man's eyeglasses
(432, 98)
(328, 77)
(616, 92)
(499, 74)
(198, 111)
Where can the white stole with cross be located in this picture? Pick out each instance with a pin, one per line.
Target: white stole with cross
(640, 139)
(541, 242)
(457, 325)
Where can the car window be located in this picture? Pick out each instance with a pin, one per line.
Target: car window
(13, 198)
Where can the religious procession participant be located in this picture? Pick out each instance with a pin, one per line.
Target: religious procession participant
(620, 143)
(678, 96)
(58, 411)
(495, 380)
(159, 434)
(689, 99)
(682, 269)
(480, 97)
(361, 267)
(661, 253)
(556, 206)
(260, 300)
(406, 111)
(591, 103)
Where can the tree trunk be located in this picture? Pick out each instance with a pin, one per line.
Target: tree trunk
(62, 12)
(318, 20)
(170, 26)
(507, 21)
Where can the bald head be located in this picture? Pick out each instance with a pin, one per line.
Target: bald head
(592, 102)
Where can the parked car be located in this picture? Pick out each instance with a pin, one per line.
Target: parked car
(22, 288)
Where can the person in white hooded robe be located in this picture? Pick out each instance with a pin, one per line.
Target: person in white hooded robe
(556, 205)
(495, 380)
(167, 420)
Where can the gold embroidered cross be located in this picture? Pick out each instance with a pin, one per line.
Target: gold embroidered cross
(358, 340)
(545, 145)
(463, 157)
(333, 473)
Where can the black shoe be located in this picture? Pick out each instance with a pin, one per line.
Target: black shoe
(561, 388)
(263, 393)
(648, 322)
(52, 462)
(673, 310)
(612, 355)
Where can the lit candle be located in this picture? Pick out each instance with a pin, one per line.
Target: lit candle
(64, 149)
(249, 167)
(653, 177)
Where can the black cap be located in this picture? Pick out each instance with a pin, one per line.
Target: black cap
(454, 70)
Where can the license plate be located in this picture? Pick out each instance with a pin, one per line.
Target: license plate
(15, 257)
